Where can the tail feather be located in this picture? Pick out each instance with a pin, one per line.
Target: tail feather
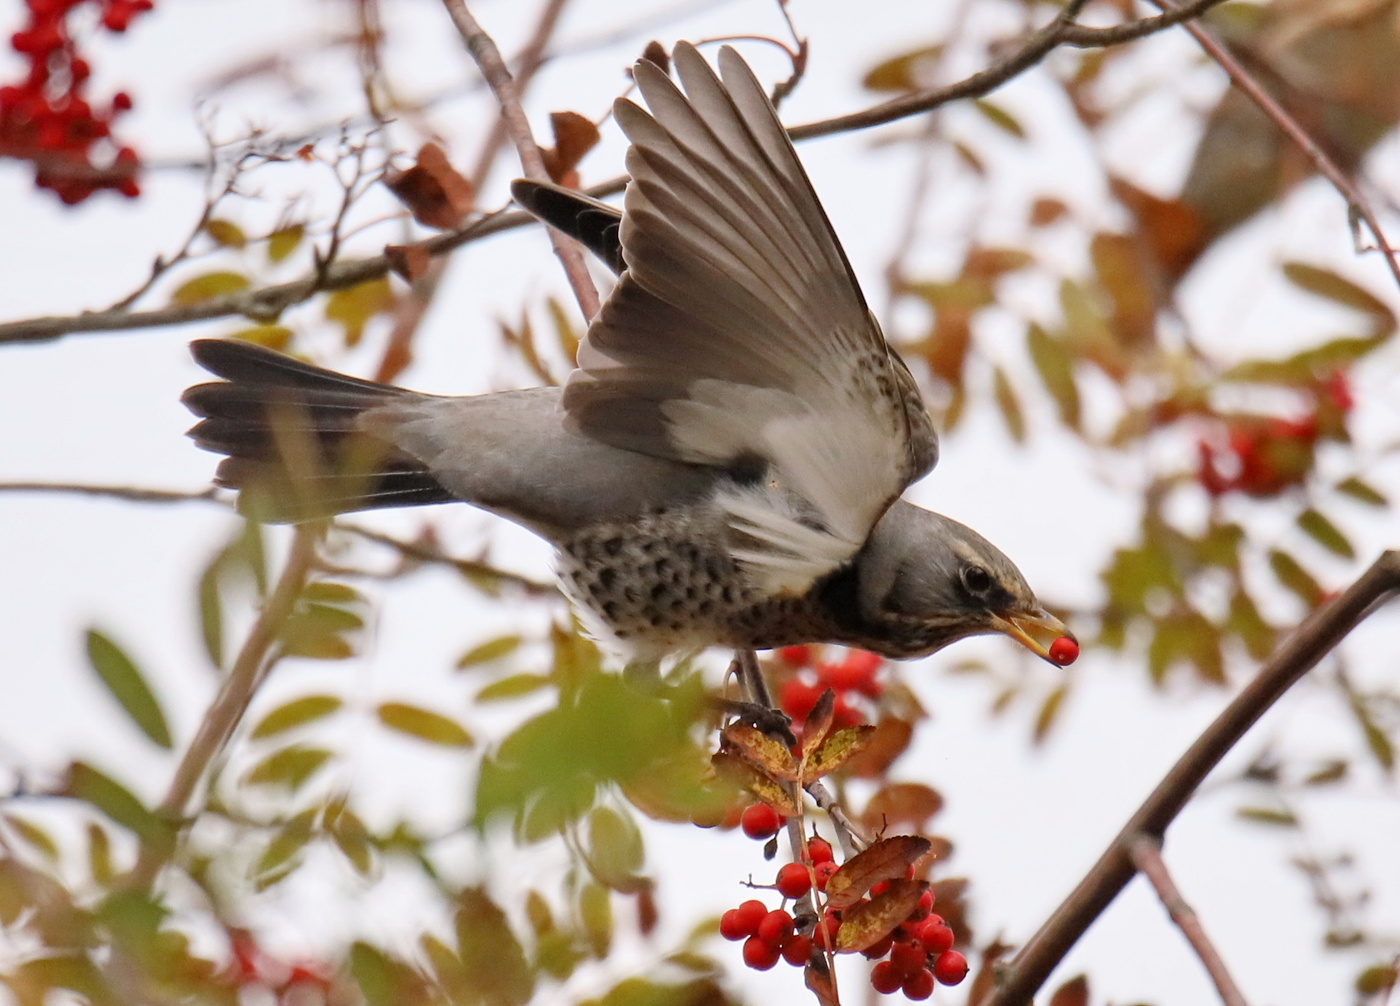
(296, 446)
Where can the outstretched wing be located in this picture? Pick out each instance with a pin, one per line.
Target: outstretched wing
(738, 337)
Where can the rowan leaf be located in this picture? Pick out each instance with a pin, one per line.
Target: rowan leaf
(283, 241)
(838, 748)
(868, 922)
(1325, 533)
(887, 859)
(127, 685)
(289, 767)
(208, 286)
(424, 724)
(1000, 118)
(1329, 285)
(765, 753)
(1268, 815)
(1363, 491)
(1056, 369)
(1295, 578)
(295, 713)
(818, 722)
(226, 233)
(741, 773)
(353, 307)
(489, 651)
(513, 687)
(1009, 405)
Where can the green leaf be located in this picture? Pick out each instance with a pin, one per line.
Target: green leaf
(33, 835)
(424, 724)
(1376, 739)
(271, 336)
(1049, 712)
(283, 241)
(614, 848)
(352, 308)
(1295, 578)
(296, 713)
(211, 613)
(1010, 407)
(352, 839)
(513, 687)
(595, 911)
(1329, 285)
(1000, 118)
(123, 679)
(1362, 491)
(906, 71)
(100, 854)
(491, 955)
(1268, 815)
(1056, 368)
(285, 848)
(226, 233)
(209, 285)
(1325, 533)
(491, 650)
(330, 592)
(101, 791)
(288, 768)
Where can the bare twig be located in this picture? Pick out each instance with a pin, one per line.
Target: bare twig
(850, 836)
(1357, 204)
(488, 58)
(1146, 854)
(1129, 31)
(1312, 640)
(467, 567)
(250, 668)
(130, 493)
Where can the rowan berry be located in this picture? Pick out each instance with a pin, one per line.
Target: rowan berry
(907, 957)
(798, 697)
(775, 928)
(919, 985)
(950, 968)
(885, 979)
(1064, 651)
(877, 950)
(819, 850)
(760, 821)
(793, 880)
(823, 873)
(797, 951)
(934, 935)
(760, 955)
(795, 656)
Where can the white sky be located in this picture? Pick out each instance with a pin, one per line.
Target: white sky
(104, 409)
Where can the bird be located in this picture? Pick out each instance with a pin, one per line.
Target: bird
(726, 465)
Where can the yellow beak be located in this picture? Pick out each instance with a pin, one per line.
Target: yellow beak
(1036, 631)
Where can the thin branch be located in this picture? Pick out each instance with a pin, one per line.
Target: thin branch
(128, 493)
(467, 567)
(250, 669)
(1130, 31)
(1146, 854)
(1357, 204)
(1310, 642)
(488, 59)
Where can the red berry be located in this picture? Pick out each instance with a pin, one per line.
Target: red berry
(793, 880)
(797, 951)
(824, 935)
(797, 697)
(775, 928)
(760, 821)
(877, 950)
(884, 979)
(824, 872)
(950, 968)
(879, 889)
(919, 985)
(732, 926)
(843, 715)
(819, 850)
(907, 957)
(934, 935)
(924, 906)
(121, 101)
(1064, 651)
(751, 913)
(760, 955)
(795, 656)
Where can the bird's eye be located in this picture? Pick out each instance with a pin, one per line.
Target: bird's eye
(976, 579)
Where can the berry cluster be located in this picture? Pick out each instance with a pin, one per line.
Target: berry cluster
(854, 674)
(1262, 457)
(45, 118)
(917, 953)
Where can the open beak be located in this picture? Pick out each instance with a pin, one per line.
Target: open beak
(1038, 631)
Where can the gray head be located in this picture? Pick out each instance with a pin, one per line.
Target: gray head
(923, 581)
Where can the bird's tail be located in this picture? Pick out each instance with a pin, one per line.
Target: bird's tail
(295, 438)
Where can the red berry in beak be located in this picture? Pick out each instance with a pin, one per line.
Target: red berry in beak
(1064, 651)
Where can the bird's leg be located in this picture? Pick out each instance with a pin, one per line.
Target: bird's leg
(756, 706)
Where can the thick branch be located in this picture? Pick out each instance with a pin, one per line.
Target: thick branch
(248, 672)
(488, 58)
(1146, 853)
(1299, 654)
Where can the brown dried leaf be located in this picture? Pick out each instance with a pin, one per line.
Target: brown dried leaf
(1074, 992)
(818, 725)
(433, 190)
(869, 922)
(889, 741)
(1045, 211)
(838, 749)
(738, 771)
(574, 136)
(409, 261)
(902, 804)
(887, 859)
(656, 53)
(765, 753)
(821, 983)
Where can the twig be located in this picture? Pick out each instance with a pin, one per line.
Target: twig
(1097, 38)
(1310, 642)
(467, 567)
(488, 59)
(129, 493)
(1357, 203)
(1146, 854)
(268, 302)
(250, 669)
(850, 836)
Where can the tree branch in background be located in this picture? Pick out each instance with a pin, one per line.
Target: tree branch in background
(250, 669)
(1146, 854)
(269, 302)
(488, 58)
(1312, 640)
(1357, 204)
